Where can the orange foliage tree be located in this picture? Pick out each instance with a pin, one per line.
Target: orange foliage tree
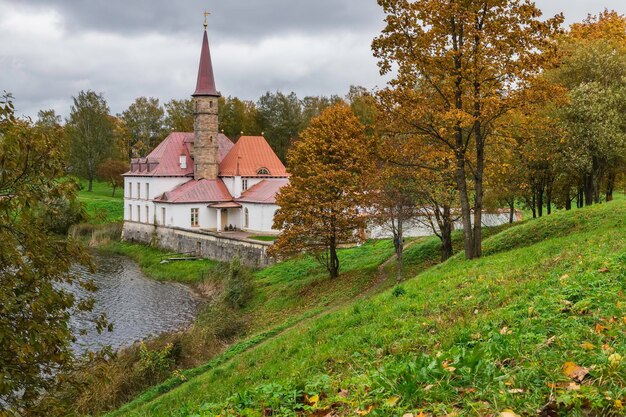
(460, 66)
(330, 166)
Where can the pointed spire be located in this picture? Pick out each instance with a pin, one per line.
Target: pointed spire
(205, 85)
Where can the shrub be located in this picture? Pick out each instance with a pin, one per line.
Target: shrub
(398, 291)
(238, 287)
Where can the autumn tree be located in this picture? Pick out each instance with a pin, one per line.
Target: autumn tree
(460, 66)
(179, 116)
(319, 209)
(91, 134)
(35, 263)
(110, 171)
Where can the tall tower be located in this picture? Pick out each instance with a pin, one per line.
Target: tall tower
(206, 123)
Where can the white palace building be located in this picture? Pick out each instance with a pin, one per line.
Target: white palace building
(201, 180)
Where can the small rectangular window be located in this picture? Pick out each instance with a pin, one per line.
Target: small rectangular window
(139, 191)
(147, 214)
(163, 222)
(147, 191)
(130, 212)
(244, 185)
(130, 190)
(139, 214)
(194, 217)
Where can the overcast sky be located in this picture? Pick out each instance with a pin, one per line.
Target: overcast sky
(52, 49)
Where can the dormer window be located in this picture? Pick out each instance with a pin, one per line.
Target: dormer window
(183, 161)
(263, 171)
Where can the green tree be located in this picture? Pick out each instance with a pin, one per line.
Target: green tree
(144, 120)
(35, 263)
(280, 118)
(237, 116)
(91, 134)
(313, 106)
(593, 68)
(329, 165)
(179, 117)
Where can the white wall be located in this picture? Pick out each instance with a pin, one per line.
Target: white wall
(261, 217)
(156, 187)
(235, 184)
(418, 229)
(179, 215)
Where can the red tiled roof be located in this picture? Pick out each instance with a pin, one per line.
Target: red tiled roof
(263, 192)
(205, 86)
(197, 191)
(249, 155)
(164, 160)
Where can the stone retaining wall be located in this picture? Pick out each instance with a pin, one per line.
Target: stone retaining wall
(203, 244)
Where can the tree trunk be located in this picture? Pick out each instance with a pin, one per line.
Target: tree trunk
(533, 205)
(399, 247)
(568, 200)
(539, 192)
(333, 266)
(549, 196)
(580, 198)
(511, 211)
(588, 189)
(446, 234)
(90, 184)
(114, 188)
(610, 185)
(466, 212)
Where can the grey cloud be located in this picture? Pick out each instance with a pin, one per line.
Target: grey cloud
(231, 18)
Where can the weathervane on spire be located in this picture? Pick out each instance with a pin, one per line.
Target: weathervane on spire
(205, 16)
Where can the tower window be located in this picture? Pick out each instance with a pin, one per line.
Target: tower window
(211, 104)
(263, 171)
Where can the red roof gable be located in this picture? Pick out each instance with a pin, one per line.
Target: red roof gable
(264, 192)
(197, 191)
(164, 160)
(249, 155)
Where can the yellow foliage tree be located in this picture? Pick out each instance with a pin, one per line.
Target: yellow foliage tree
(460, 67)
(319, 209)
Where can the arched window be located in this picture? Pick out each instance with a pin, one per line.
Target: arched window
(246, 218)
(263, 171)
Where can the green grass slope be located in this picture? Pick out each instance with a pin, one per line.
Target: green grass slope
(100, 205)
(536, 326)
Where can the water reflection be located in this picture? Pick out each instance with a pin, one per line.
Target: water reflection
(137, 306)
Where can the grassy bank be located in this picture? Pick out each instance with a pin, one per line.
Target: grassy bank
(535, 326)
(151, 262)
(100, 205)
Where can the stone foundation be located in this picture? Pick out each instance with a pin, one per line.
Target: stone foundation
(199, 243)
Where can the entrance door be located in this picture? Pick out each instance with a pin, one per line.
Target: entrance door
(224, 219)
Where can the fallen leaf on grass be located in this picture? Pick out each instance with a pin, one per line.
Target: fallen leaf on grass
(392, 401)
(577, 373)
(516, 391)
(587, 346)
(603, 270)
(509, 413)
(599, 328)
(343, 393)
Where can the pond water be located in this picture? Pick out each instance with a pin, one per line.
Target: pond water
(137, 306)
